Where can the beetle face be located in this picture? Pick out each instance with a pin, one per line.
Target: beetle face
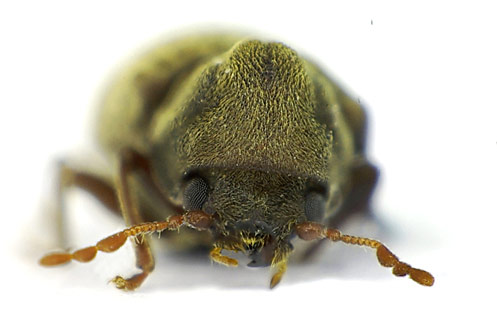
(254, 211)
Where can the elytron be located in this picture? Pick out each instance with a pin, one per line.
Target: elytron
(242, 144)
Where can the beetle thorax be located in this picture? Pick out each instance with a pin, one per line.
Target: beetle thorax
(255, 110)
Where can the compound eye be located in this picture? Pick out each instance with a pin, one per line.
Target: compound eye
(195, 194)
(314, 206)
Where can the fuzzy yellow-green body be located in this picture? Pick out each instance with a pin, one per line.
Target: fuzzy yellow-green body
(242, 144)
(261, 124)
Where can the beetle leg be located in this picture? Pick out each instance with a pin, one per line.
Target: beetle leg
(97, 186)
(128, 164)
(315, 231)
(280, 271)
(131, 162)
(138, 163)
(118, 201)
(194, 219)
(218, 257)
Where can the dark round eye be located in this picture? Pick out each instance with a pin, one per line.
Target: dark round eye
(314, 206)
(195, 194)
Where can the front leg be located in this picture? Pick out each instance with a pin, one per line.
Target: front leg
(194, 219)
(216, 256)
(118, 198)
(128, 165)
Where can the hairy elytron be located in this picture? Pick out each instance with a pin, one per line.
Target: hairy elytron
(240, 142)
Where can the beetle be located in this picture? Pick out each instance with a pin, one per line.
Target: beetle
(241, 143)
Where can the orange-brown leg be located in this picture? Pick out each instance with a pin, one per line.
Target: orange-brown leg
(216, 256)
(128, 165)
(131, 162)
(97, 186)
(119, 200)
(197, 220)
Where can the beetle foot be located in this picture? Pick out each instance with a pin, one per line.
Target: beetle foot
(129, 284)
(218, 257)
(281, 269)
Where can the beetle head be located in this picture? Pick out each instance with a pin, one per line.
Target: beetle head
(253, 211)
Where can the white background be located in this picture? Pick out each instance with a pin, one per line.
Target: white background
(427, 72)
